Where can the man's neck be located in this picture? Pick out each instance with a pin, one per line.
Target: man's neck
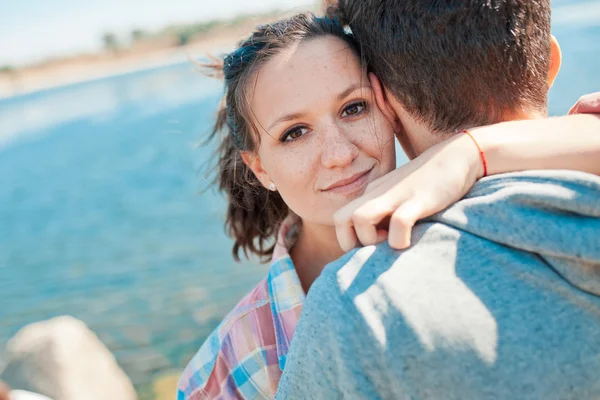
(417, 136)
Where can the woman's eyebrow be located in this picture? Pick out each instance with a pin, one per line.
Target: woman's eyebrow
(287, 117)
(351, 89)
(340, 97)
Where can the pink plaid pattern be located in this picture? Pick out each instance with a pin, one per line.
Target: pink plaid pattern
(245, 355)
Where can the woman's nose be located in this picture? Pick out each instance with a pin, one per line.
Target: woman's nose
(338, 149)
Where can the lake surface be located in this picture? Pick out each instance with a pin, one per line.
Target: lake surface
(106, 213)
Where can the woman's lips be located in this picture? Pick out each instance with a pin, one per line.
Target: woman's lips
(351, 184)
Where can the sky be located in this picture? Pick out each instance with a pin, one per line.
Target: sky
(32, 30)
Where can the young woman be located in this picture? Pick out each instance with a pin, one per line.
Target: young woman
(303, 137)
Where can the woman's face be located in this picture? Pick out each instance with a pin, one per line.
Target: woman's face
(322, 137)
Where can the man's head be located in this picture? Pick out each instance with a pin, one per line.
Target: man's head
(453, 64)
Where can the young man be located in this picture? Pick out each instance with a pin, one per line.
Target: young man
(499, 295)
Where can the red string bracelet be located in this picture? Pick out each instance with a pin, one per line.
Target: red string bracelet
(481, 153)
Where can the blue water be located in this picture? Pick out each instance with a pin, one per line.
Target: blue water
(105, 215)
(104, 212)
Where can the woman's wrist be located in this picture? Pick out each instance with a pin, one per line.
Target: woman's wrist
(568, 142)
(498, 142)
(470, 151)
(459, 154)
(483, 171)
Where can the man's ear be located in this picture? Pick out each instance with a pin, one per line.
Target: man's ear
(382, 102)
(381, 98)
(252, 161)
(555, 60)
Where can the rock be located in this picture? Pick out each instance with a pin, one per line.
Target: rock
(63, 359)
(24, 395)
(165, 387)
(4, 391)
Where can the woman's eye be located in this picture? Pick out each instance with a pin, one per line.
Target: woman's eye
(294, 133)
(354, 109)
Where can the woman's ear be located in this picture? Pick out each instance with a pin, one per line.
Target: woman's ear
(382, 102)
(252, 161)
(555, 60)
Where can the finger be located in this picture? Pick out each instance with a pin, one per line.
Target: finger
(344, 228)
(344, 223)
(346, 236)
(343, 218)
(366, 218)
(401, 224)
(574, 109)
(366, 233)
(591, 106)
(588, 104)
(344, 215)
(382, 235)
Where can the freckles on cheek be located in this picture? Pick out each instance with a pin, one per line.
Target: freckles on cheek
(297, 179)
(376, 135)
(289, 170)
(365, 137)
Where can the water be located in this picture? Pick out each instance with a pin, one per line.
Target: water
(103, 214)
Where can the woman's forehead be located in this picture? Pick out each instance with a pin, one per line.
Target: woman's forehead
(313, 72)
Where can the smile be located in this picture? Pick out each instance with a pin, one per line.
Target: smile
(350, 185)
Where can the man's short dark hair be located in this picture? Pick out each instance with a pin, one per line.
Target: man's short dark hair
(456, 63)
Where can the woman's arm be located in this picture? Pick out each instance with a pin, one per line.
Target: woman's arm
(571, 142)
(446, 172)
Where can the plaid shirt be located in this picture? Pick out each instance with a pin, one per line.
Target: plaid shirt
(245, 355)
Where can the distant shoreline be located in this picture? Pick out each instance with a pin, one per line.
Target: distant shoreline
(34, 79)
(84, 68)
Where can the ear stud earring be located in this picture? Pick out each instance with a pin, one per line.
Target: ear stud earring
(272, 187)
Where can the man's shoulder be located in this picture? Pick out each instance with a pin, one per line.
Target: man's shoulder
(493, 280)
(557, 188)
(433, 244)
(506, 223)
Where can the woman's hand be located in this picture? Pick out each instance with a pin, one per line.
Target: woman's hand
(588, 104)
(431, 182)
(445, 172)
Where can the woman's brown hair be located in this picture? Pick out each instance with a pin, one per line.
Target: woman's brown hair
(254, 213)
